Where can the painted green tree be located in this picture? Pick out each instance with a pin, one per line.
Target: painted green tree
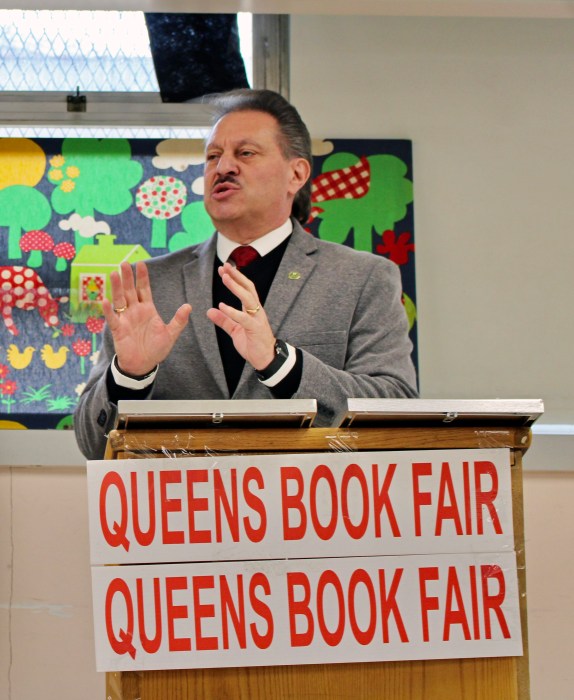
(22, 208)
(380, 209)
(93, 175)
(197, 224)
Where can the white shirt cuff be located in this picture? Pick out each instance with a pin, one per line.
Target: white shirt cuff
(284, 370)
(129, 382)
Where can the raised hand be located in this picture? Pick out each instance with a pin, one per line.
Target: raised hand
(249, 328)
(141, 338)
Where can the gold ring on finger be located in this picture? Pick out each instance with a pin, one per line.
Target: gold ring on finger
(120, 309)
(253, 311)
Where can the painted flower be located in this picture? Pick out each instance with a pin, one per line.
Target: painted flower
(82, 347)
(79, 388)
(72, 171)
(57, 161)
(4, 369)
(8, 388)
(68, 329)
(95, 324)
(55, 175)
(396, 248)
(67, 186)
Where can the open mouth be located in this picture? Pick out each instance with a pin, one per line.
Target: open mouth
(224, 188)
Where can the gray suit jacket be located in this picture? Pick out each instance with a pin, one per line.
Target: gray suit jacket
(342, 308)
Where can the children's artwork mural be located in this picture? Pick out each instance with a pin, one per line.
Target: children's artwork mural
(71, 210)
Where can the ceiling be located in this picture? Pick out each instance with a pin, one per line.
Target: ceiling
(431, 8)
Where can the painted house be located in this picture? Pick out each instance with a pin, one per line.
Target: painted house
(90, 273)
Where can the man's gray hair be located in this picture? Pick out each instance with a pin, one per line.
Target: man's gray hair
(295, 141)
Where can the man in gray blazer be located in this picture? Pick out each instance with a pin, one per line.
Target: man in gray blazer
(291, 317)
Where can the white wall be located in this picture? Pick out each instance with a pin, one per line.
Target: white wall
(46, 632)
(489, 105)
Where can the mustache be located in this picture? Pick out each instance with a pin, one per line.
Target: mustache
(222, 179)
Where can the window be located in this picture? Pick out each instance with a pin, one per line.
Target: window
(46, 51)
(58, 63)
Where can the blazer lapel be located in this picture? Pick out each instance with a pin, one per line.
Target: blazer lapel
(295, 268)
(198, 281)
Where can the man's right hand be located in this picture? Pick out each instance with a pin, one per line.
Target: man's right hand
(141, 339)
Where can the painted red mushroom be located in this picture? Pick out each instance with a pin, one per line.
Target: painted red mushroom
(36, 243)
(63, 251)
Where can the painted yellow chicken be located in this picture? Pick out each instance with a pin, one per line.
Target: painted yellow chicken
(19, 359)
(54, 359)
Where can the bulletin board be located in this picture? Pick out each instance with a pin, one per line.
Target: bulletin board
(73, 209)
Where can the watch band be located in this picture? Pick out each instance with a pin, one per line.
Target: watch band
(281, 356)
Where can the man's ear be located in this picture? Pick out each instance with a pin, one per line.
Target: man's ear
(300, 173)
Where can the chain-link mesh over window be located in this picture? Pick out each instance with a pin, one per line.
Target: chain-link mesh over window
(106, 51)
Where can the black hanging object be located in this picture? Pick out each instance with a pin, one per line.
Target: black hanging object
(195, 54)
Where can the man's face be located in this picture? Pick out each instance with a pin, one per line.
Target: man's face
(249, 184)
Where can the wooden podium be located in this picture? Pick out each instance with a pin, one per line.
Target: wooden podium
(412, 425)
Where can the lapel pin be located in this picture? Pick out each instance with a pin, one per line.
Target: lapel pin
(294, 275)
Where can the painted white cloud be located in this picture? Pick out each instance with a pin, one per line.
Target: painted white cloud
(86, 226)
(198, 186)
(179, 154)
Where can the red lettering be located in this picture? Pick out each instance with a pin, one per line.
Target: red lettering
(195, 476)
(169, 505)
(353, 471)
(260, 607)
(122, 644)
(364, 637)
(474, 599)
(382, 500)
(330, 578)
(293, 502)
(150, 646)
(486, 498)
(427, 573)
(467, 504)
(256, 504)
(389, 605)
(231, 509)
(116, 536)
(454, 616)
(493, 602)
(176, 612)
(201, 611)
(444, 511)
(143, 538)
(297, 579)
(420, 498)
(324, 532)
(228, 609)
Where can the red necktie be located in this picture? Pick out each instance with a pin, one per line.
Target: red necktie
(243, 255)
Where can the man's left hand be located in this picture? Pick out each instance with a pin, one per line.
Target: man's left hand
(249, 327)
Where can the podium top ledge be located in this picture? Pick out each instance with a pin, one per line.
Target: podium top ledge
(278, 412)
(432, 412)
(301, 413)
